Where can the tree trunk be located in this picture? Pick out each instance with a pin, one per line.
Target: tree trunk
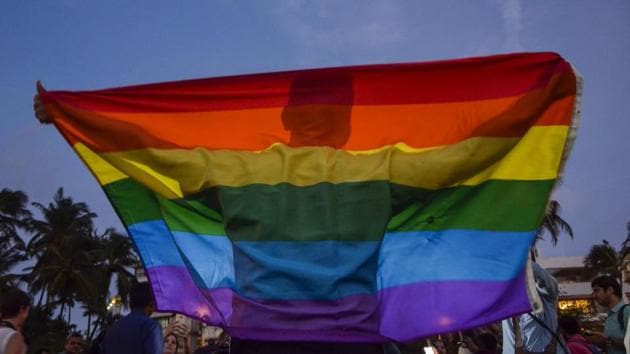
(63, 308)
(41, 298)
(89, 327)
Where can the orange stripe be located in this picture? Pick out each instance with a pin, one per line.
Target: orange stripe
(371, 127)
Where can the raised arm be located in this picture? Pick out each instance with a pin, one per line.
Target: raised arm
(38, 106)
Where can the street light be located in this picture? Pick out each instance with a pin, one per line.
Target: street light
(115, 305)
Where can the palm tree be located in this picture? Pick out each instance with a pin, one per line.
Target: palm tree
(61, 241)
(13, 214)
(553, 224)
(119, 261)
(43, 331)
(114, 261)
(602, 259)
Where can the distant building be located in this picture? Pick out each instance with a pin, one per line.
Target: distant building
(575, 287)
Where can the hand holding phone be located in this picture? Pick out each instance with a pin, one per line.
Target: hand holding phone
(179, 326)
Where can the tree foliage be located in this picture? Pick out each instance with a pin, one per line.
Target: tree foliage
(13, 216)
(69, 263)
(553, 224)
(602, 259)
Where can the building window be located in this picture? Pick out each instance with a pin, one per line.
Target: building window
(575, 306)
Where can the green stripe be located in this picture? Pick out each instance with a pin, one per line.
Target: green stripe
(135, 204)
(346, 212)
(495, 205)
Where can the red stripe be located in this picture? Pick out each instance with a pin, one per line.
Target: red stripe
(429, 82)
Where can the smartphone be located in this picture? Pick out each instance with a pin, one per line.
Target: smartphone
(183, 319)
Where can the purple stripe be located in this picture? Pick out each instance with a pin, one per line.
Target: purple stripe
(175, 291)
(423, 309)
(351, 319)
(401, 314)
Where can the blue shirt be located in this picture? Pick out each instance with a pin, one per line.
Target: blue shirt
(135, 333)
(612, 328)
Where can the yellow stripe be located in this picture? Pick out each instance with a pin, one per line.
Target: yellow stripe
(105, 173)
(177, 172)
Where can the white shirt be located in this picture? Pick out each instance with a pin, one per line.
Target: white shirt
(5, 335)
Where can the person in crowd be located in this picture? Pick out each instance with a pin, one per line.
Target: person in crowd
(451, 342)
(439, 346)
(73, 344)
(467, 343)
(170, 344)
(15, 305)
(536, 332)
(136, 333)
(570, 330)
(221, 344)
(176, 329)
(607, 293)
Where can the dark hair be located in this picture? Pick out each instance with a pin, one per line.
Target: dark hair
(486, 341)
(74, 335)
(42, 351)
(606, 281)
(13, 301)
(140, 296)
(569, 324)
(176, 342)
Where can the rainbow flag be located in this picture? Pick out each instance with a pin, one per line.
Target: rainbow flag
(352, 204)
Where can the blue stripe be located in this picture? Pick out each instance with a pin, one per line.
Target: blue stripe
(210, 257)
(322, 270)
(329, 270)
(424, 256)
(154, 242)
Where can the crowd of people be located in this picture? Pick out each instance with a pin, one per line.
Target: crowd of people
(545, 331)
(539, 332)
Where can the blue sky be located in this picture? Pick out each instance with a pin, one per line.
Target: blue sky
(82, 45)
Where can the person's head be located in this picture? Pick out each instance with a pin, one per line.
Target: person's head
(439, 346)
(606, 291)
(486, 341)
(43, 351)
(14, 305)
(569, 325)
(170, 344)
(328, 122)
(74, 343)
(141, 298)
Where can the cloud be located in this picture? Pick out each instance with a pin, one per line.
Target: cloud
(324, 29)
(511, 13)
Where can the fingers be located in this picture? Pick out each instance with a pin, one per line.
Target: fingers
(40, 112)
(39, 87)
(38, 107)
(178, 328)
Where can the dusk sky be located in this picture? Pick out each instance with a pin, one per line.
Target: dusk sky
(86, 45)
